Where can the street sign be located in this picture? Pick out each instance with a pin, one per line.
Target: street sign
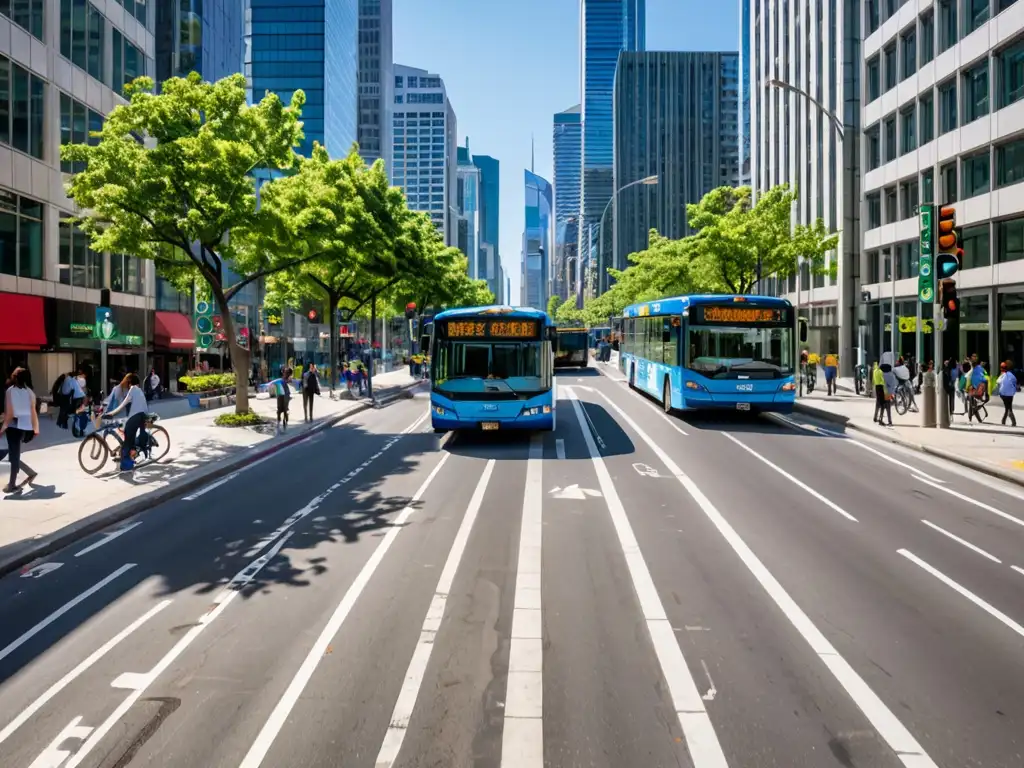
(104, 328)
(925, 278)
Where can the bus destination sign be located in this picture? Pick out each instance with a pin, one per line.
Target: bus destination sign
(493, 329)
(733, 315)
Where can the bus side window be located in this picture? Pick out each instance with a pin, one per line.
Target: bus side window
(671, 342)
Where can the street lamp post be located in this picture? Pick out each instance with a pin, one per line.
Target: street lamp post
(647, 181)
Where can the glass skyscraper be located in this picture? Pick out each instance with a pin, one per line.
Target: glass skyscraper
(537, 239)
(490, 198)
(745, 63)
(607, 27)
(203, 36)
(376, 81)
(566, 142)
(675, 118)
(309, 45)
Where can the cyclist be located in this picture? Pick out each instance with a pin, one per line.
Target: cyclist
(135, 403)
(903, 377)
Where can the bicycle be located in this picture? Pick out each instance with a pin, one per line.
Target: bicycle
(860, 380)
(95, 451)
(904, 397)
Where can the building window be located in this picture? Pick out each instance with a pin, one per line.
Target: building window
(909, 198)
(79, 264)
(976, 245)
(947, 24)
(27, 14)
(129, 63)
(975, 14)
(137, 9)
(908, 42)
(874, 79)
(928, 186)
(947, 106)
(907, 259)
(975, 92)
(21, 236)
(872, 267)
(77, 122)
(927, 37)
(125, 274)
(398, 81)
(890, 138)
(1010, 163)
(872, 15)
(891, 210)
(82, 30)
(1010, 240)
(926, 118)
(975, 174)
(21, 108)
(908, 134)
(949, 189)
(890, 66)
(1011, 73)
(874, 201)
(874, 148)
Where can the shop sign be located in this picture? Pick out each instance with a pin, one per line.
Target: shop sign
(104, 328)
(134, 341)
(81, 330)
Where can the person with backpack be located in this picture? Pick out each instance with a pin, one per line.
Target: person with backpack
(282, 389)
(310, 387)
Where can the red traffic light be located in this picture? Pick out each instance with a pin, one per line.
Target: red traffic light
(411, 305)
(312, 315)
(948, 299)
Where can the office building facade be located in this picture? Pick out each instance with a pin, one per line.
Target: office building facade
(62, 69)
(490, 232)
(537, 241)
(309, 45)
(813, 46)
(676, 118)
(468, 206)
(744, 131)
(606, 28)
(943, 110)
(424, 157)
(203, 36)
(567, 142)
(376, 81)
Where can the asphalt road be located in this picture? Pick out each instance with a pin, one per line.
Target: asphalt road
(632, 590)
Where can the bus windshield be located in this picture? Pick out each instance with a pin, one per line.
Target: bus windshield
(723, 352)
(509, 367)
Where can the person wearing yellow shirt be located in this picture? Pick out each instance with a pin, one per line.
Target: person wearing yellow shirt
(831, 372)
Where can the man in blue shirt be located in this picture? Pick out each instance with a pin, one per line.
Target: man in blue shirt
(1006, 386)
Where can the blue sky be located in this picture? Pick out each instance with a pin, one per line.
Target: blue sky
(509, 66)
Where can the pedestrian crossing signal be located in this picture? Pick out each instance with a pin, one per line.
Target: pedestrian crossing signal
(949, 300)
(950, 255)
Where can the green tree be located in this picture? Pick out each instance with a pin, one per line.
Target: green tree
(170, 179)
(554, 302)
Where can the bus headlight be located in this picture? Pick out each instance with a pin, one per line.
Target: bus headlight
(437, 409)
(694, 386)
(789, 386)
(534, 411)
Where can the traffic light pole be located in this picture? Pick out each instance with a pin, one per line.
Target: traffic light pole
(941, 402)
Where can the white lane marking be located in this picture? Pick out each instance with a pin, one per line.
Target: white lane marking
(712, 691)
(1018, 569)
(228, 478)
(958, 540)
(109, 537)
(413, 681)
(70, 677)
(38, 571)
(573, 492)
(64, 609)
(975, 502)
(560, 448)
(258, 751)
(701, 740)
(798, 483)
(220, 603)
(897, 462)
(988, 608)
(53, 756)
(522, 739)
(888, 726)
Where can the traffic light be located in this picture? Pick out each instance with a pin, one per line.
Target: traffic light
(949, 256)
(410, 311)
(949, 300)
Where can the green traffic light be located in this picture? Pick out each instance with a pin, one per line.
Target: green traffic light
(946, 265)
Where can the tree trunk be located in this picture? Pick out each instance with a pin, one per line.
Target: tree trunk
(239, 356)
(373, 336)
(332, 309)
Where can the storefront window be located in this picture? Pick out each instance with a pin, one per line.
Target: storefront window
(21, 235)
(974, 327)
(1011, 329)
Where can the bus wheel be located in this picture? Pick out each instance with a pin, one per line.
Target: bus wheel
(666, 397)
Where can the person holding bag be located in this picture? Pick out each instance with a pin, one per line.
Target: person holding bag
(20, 423)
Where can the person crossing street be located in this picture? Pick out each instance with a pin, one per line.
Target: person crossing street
(310, 388)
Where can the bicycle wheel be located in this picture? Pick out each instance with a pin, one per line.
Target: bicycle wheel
(902, 402)
(159, 443)
(93, 453)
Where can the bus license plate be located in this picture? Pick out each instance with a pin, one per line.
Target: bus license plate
(742, 406)
(488, 425)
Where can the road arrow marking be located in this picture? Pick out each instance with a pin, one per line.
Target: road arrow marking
(646, 470)
(38, 571)
(573, 492)
(712, 691)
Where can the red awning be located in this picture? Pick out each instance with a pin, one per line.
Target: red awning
(173, 331)
(22, 325)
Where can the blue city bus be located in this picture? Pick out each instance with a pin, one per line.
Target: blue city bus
(570, 347)
(492, 368)
(705, 352)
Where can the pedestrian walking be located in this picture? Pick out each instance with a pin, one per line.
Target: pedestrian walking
(310, 387)
(950, 376)
(136, 405)
(282, 389)
(357, 372)
(1007, 387)
(883, 406)
(153, 385)
(977, 390)
(20, 423)
(831, 372)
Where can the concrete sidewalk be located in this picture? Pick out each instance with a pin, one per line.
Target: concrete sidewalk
(987, 447)
(67, 504)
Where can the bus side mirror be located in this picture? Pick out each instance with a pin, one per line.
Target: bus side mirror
(802, 324)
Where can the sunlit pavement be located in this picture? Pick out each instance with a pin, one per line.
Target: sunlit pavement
(634, 589)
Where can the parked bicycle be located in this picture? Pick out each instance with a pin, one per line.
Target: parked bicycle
(860, 380)
(903, 397)
(96, 450)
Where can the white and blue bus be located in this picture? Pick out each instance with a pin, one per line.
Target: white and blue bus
(492, 368)
(706, 352)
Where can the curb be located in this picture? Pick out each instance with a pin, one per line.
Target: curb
(977, 466)
(68, 535)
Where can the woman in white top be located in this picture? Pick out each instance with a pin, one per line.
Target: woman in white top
(21, 423)
(135, 403)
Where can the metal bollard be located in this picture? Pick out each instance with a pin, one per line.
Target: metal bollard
(928, 399)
